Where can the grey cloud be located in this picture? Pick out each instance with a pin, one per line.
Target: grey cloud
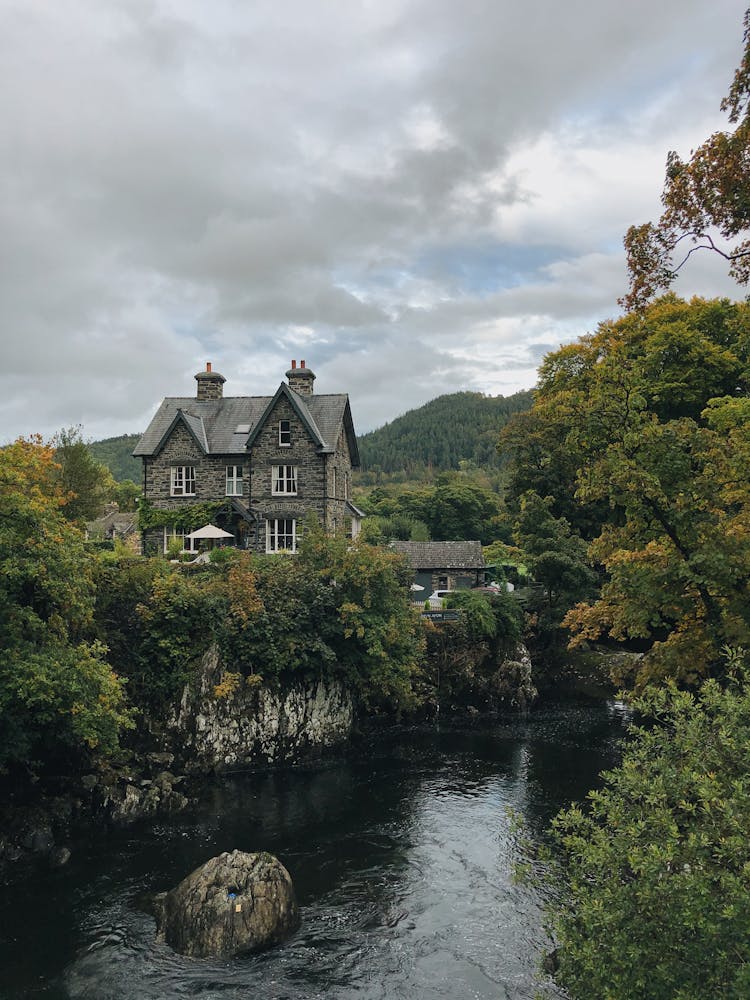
(178, 180)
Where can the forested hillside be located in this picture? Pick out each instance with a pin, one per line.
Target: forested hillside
(462, 426)
(116, 454)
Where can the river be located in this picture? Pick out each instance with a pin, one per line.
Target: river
(401, 850)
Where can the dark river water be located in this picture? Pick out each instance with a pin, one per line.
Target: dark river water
(401, 850)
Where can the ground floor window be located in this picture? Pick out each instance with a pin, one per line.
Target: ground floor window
(176, 536)
(281, 535)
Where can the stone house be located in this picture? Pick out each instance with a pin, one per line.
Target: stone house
(444, 565)
(261, 463)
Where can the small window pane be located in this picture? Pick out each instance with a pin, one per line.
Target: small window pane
(285, 433)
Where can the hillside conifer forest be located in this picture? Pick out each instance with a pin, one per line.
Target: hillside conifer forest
(440, 436)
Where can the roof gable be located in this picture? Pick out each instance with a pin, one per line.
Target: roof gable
(194, 427)
(299, 407)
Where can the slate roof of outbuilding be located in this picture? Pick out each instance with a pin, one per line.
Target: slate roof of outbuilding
(442, 555)
(123, 523)
(214, 421)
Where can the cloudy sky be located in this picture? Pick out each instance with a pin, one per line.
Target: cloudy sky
(416, 196)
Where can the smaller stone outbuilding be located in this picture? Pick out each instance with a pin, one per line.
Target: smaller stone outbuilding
(444, 565)
(114, 524)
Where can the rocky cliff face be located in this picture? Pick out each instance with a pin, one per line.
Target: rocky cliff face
(257, 724)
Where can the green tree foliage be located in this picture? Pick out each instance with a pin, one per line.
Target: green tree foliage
(117, 454)
(179, 618)
(439, 436)
(455, 507)
(87, 483)
(657, 905)
(125, 494)
(58, 695)
(555, 556)
(332, 609)
(283, 618)
(463, 659)
(668, 362)
(706, 200)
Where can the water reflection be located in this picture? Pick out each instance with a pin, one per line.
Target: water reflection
(401, 852)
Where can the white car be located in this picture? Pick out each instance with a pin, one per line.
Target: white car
(436, 598)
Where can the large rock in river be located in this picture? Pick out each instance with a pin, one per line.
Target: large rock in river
(232, 904)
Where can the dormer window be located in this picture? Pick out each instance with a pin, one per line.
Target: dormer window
(182, 481)
(285, 433)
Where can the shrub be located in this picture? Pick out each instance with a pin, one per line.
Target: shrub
(658, 862)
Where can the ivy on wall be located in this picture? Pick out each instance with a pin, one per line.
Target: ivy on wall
(184, 518)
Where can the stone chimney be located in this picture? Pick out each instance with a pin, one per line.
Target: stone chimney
(209, 384)
(300, 379)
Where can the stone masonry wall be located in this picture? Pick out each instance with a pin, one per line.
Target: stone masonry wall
(341, 462)
(210, 472)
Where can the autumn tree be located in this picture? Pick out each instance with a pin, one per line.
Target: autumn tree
(706, 202)
(650, 412)
(57, 693)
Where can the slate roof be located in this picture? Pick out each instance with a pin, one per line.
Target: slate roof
(213, 422)
(442, 555)
(122, 524)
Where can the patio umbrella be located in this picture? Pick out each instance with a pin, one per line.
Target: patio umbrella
(210, 531)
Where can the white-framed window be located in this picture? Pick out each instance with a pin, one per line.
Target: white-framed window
(285, 433)
(183, 481)
(284, 480)
(172, 534)
(234, 480)
(281, 534)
